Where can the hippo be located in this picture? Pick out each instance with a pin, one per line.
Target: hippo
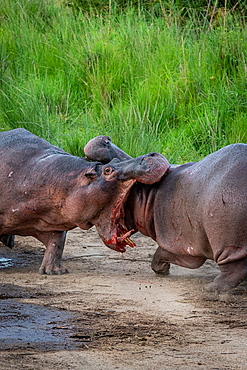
(47, 192)
(197, 211)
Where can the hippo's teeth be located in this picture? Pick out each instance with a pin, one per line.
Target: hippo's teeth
(130, 242)
(125, 238)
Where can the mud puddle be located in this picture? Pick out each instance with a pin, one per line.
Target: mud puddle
(19, 256)
(24, 325)
(6, 262)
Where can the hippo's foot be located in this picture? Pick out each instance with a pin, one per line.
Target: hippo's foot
(162, 270)
(53, 271)
(7, 240)
(215, 287)
(232, 274)
(159, 262)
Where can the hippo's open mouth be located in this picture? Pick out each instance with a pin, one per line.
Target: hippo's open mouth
(110, 221)
(119, 243)
(111, 227)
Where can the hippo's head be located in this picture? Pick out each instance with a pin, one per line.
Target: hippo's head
(102, 149)
(148, 169)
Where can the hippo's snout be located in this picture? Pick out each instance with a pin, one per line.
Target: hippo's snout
(152, 168)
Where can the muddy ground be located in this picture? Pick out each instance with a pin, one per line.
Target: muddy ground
(112, 312)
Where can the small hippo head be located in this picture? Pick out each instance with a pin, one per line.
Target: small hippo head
(101, 148)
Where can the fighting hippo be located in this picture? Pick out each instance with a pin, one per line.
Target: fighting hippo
(46, 191)
(197, 211)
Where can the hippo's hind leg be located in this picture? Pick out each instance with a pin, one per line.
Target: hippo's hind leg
(162, 259)
(54, 243)
(231, 275)
(159, 262)
(7, 240)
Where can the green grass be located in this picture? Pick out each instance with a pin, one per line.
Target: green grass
(174, 84)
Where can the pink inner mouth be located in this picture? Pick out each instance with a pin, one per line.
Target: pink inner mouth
(116, 235)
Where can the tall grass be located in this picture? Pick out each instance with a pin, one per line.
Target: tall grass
(171, 83)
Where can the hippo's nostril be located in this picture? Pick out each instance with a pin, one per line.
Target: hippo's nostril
(146, 157)
(104, 143)
(154, 154)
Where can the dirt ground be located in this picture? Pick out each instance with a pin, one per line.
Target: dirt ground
(112, 312)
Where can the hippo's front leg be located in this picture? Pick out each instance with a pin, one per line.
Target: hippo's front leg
(54, 243)
(159, 262)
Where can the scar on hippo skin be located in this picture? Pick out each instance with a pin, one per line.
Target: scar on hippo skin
(198, 211)
(47, 192)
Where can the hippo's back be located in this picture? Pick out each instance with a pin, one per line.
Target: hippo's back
(222, 172)
(20, 139)
(223, 161)
(20, 147)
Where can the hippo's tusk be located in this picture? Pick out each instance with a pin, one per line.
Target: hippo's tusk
(125, 238)
(130, 242)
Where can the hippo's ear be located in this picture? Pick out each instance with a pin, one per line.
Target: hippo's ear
(91, 173)
(114, 161)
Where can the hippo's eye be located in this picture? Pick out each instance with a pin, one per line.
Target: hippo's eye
(108, 170)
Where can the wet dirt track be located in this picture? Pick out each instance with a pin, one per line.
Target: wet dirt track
(112, 312)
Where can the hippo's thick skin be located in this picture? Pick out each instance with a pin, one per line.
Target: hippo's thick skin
(197, 211)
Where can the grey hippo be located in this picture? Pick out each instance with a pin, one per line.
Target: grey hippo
(197, 211)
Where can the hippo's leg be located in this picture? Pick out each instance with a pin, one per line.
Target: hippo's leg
(7, 240)
(159, 265)
(54, 242)
(162, 259)
(232, 274)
